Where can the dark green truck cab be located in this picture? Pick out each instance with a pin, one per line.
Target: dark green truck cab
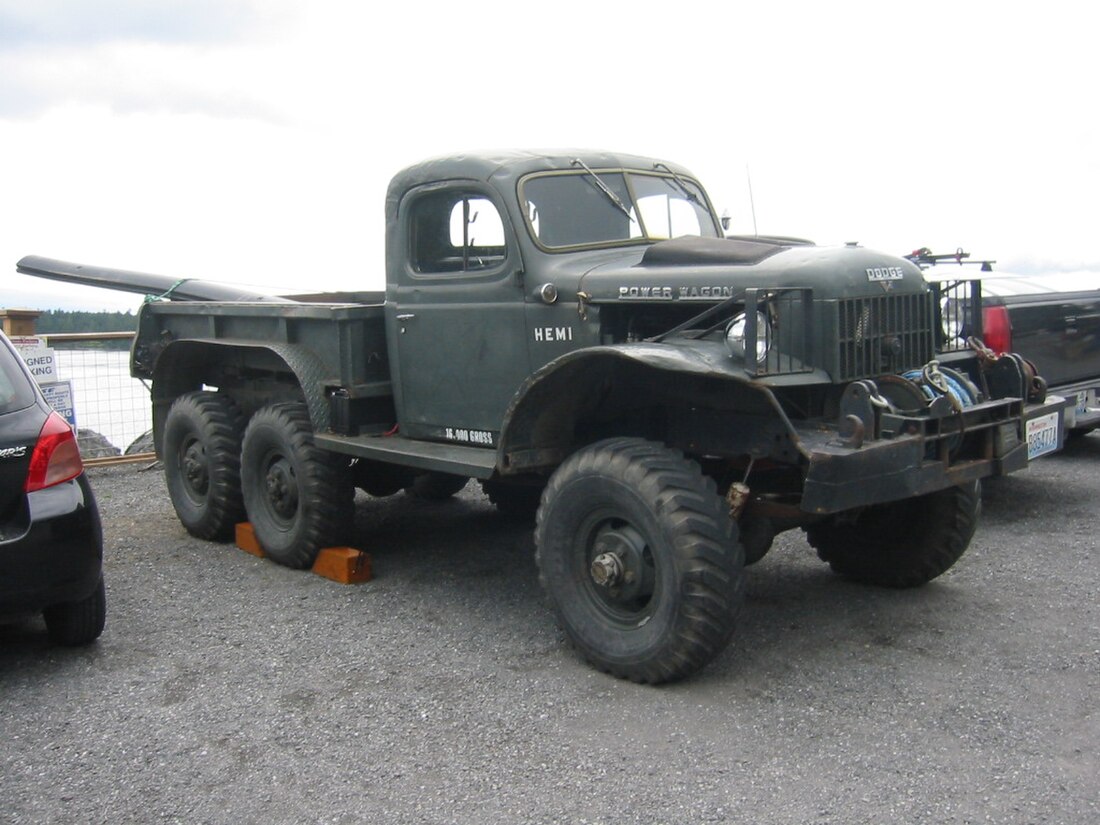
(575, 331)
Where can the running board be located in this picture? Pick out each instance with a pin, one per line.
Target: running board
(421, 455)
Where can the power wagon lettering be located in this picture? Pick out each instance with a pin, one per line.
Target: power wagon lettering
(683, 293)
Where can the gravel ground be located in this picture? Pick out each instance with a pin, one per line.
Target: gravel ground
(228, 689)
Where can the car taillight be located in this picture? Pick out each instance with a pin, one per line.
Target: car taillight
(997, 330)
(56, 456)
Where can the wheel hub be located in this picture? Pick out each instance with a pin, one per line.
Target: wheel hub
(194, 467)
(622, 566)
(282, 489)
(607, 570)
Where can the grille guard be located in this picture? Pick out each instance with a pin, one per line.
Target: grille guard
(914, 453)
(860, 337)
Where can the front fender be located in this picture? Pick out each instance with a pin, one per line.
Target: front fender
(598, 383)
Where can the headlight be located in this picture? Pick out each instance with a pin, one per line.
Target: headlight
(735, 336)
(953, 318)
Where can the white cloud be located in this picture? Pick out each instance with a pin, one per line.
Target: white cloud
(82, 22)
(134, 78)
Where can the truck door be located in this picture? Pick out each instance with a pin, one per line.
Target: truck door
(455, 314)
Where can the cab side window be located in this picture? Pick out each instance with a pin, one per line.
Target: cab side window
(455, 232)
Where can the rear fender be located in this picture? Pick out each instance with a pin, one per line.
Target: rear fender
(184, 366)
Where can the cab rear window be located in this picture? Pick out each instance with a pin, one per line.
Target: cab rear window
(16, 389)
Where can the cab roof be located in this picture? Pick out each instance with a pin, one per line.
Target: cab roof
(505, 168)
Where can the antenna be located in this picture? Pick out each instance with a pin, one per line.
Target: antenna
(752, 203)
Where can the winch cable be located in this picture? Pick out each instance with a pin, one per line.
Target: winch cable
(934, 383)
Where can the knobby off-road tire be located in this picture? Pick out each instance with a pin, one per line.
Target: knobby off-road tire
(298, 497)
(640, 560)
(202, 463)
(903, 543)
(80, 622)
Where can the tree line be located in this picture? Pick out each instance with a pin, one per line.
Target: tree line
(65, 320)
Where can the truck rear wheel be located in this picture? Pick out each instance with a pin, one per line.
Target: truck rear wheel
(202, 463)
(903, 543)
(299, 497)
(640, 560)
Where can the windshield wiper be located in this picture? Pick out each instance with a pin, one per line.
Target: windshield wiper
(691, 196)
(603, 187)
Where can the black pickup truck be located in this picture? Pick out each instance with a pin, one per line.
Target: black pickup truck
(1051, 320)
(573, 331)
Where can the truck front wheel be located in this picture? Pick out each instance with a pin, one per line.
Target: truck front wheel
(903, 543)
(640, 560)
(202, 463)
(299, 497)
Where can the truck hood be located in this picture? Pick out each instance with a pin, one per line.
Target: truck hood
(712, 269)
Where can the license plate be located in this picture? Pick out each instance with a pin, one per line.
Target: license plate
(1042, 435)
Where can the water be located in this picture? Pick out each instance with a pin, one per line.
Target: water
(105, 398)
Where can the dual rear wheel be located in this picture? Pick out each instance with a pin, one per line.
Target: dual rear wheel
(297, 496)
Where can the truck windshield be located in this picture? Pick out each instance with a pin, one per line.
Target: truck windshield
(609, 208)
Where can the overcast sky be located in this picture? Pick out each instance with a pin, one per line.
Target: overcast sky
(252, 141)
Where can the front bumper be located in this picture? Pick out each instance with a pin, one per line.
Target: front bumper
(913, 455)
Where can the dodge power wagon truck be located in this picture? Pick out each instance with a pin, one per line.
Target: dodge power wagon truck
(575, 332)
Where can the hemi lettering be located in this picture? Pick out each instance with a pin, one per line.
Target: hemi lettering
(550, 334)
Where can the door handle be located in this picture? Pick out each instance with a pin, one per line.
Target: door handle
(405, 316)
